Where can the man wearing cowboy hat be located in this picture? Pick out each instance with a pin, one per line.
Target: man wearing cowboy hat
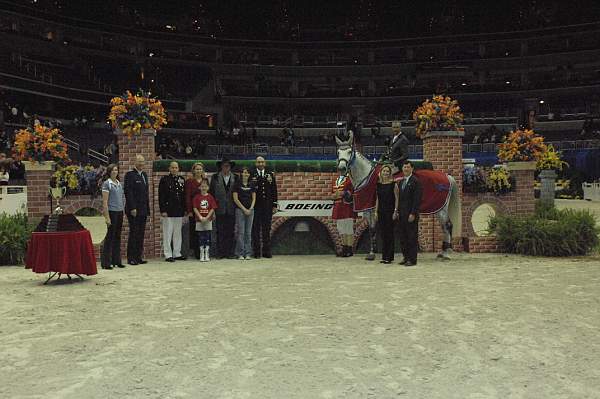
(398, 149)
(221, 188)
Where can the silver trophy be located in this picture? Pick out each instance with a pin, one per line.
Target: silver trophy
(57, 193)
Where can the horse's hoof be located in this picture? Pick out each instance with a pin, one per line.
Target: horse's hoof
(440, 256)
(446, 257)
(370, 257)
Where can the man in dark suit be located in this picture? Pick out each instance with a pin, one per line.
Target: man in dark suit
(221, 188)
(398, 150)
(408, 214)
(265, 207)
(137, 206)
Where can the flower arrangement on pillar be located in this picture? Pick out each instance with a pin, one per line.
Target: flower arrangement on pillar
(440, 113)
(39, 145)
(134, 113)
(522, 149)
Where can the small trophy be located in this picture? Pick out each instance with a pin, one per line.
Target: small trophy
(57, 193)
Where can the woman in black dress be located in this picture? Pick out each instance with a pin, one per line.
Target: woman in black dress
(387, 202)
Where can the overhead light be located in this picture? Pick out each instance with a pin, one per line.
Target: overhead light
(463, 84)
(541, 101)
(151, 55)
(508, 82)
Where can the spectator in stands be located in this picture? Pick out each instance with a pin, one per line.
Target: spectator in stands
(191, 189)
(171, 200)
(4, 176)
(221, 188)
(244, 196)
(113, 204)
(17, 169)
(137, 208)
(4, 141)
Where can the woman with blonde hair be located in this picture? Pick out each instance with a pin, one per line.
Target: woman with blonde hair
(192, 187)
(385, 214)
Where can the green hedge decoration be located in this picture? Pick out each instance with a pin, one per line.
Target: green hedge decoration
(185, 165)
(15, 231)
(549, 232)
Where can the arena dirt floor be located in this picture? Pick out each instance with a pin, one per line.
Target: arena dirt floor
(480, 326)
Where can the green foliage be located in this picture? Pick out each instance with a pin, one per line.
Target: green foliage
(14, 234)
(549, 232)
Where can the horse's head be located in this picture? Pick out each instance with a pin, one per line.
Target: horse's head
(345, 153)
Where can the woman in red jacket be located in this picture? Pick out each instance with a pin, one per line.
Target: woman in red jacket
(191, 189)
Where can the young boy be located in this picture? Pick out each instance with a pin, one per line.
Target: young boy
(204, 209)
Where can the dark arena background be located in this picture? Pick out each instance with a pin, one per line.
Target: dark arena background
(241, 79)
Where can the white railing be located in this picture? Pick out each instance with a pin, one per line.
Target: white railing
(13, 199)
(591, 191)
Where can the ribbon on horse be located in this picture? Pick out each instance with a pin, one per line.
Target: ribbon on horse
(365, 192)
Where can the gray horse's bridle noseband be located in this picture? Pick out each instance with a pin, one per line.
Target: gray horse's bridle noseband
(350, 161)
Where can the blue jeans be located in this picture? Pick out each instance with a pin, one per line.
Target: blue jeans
(204, 238)
(243, 225)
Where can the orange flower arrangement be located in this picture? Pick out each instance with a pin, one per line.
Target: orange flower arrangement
(439, 113)
(39, 144)
(132, 113)
(522, 145)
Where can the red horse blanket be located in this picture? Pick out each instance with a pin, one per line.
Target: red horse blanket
(435, 186)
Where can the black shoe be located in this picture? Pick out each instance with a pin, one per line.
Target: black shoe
(119, 265)
(403, 262)
(231, 257)
(180, 258)
(107, 267)
(268, 256)
(132, 263)
(142, 262)
(169, 260)
(409, 263)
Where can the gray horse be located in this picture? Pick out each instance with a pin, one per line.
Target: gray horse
(361, 170)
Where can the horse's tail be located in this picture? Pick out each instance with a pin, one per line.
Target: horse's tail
(454, 208)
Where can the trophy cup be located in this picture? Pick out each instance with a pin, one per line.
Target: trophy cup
(57, 193)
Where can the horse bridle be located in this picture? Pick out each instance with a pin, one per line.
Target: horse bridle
(350, 161)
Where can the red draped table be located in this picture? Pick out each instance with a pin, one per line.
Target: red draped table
(65, 252)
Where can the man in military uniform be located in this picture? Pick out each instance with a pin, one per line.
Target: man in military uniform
(171, 200)
(265, 207)
(398, 149)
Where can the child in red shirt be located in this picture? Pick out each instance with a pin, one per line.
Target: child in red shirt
(204, 209)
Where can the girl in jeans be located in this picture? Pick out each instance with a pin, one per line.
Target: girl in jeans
(204, 206)
(244, 196)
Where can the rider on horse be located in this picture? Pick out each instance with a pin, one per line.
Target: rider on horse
(397, 152)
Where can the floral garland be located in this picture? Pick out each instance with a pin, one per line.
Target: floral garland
(439, 113)
(79, 179)
(132, 113)
(39, 144)
(550, 160)
(522, 145)
(474, 180)
(65, 176)
(499, 180)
